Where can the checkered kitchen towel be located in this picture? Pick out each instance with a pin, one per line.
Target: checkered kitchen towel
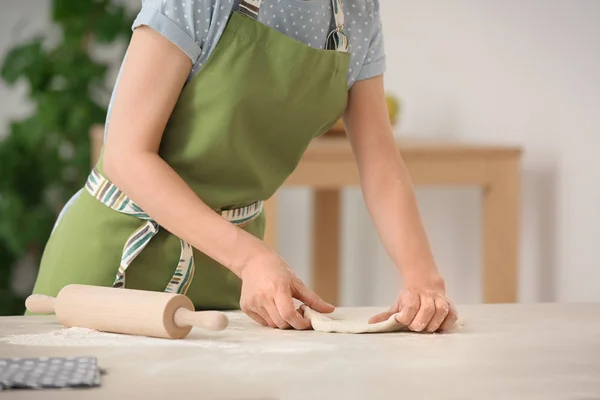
(49, 372)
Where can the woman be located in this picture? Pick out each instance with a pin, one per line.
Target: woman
(214, 105)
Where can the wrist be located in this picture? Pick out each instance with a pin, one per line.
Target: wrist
(421, 264)
(419, 267)
(423, 277)
(246, 249)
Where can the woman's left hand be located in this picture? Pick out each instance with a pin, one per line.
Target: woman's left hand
(422, 305)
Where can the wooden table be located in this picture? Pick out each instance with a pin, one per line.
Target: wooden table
(529, 352)
(328, 166)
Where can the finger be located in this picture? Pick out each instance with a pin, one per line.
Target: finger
(300, 310)
(249, 311)
(423, 317)
(409, 306)
(288, 312)
(256, 318)
(384, 315)
(311, 299)
(451, 318)
(275, 316)
(265, 315)
(441, 312)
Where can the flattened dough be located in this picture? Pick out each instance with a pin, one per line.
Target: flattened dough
(323, 323)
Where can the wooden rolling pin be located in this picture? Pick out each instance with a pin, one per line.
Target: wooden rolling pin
(127, 311)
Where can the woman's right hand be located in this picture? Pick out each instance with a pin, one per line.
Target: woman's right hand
(268, 289)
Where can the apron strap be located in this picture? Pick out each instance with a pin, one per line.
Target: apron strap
(108, 194)
(250, 7)
(337, 40)
(338, 14)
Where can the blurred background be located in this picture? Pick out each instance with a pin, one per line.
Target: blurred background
(514, 72)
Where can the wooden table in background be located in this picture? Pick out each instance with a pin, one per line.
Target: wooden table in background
(328, 166)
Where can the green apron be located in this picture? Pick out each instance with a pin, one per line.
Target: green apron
(237, 132)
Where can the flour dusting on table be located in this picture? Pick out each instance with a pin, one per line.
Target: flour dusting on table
(76, 337)
(83, 337)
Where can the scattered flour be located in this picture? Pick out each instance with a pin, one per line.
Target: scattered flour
(247, 343)
(76, 337)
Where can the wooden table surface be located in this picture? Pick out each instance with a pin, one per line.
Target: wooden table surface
(545, 351)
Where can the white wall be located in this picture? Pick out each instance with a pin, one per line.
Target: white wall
(523, 72)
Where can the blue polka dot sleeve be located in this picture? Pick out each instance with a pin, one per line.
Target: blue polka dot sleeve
(374, 63)
(183, 22)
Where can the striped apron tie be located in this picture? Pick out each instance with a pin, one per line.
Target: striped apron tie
(108, 194)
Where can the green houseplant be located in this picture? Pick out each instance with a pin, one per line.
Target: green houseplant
(45, 157)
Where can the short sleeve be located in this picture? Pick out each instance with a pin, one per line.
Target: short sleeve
(183, 22)
(375, 62)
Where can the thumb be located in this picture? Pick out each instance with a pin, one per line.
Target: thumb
(383, 316)
(311, 299)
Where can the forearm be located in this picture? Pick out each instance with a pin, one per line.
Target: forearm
(149, 181)
(391, 201)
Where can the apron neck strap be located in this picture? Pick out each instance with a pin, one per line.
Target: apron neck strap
(336, 40)
(338, 14)
(250, 8)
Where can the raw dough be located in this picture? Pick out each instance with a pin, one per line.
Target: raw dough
(323, 323)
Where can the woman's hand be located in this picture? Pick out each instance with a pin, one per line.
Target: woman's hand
(268, 289)
(422, 305)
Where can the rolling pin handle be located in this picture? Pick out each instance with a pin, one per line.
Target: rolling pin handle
(209, 320)
(40, 304)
